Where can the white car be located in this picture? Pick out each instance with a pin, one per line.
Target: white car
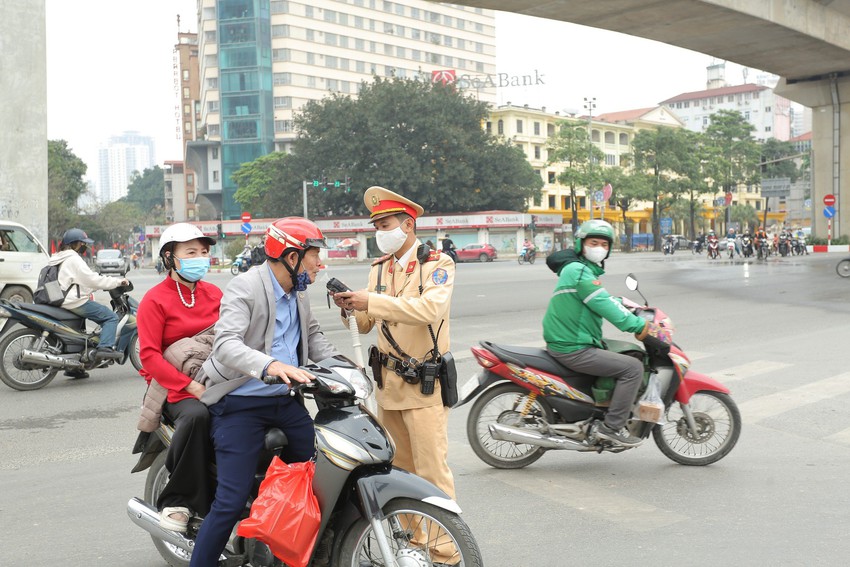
(21, 259)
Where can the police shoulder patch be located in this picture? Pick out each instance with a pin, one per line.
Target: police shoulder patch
(440, 276)
(382, 259)
(433, 255)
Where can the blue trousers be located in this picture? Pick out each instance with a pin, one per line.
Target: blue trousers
(108, 321)
(238, 426)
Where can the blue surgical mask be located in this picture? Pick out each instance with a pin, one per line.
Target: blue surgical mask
(193, 269)
(302, 280)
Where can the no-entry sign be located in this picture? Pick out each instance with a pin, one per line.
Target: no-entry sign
(246, 217)
(829, 200)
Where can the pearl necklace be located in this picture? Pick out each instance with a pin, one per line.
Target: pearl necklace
(180, 293)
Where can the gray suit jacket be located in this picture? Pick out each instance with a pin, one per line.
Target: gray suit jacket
(245, 332)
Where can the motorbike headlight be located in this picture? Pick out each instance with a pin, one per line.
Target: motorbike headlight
(358, 380)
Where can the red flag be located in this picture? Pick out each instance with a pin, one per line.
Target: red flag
(606, 191)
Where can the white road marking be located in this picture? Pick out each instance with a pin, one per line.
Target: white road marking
(748, 370)
(772, 405)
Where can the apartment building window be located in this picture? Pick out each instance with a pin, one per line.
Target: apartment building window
(624, 139)
(215, 153)
(537, 128)
(433, 38)
(399, 31)
(433, 17)
(186, 93)
(343, 41)
(536, 152)
(310, 35)
(311, 58)
(358, 22)
(389, 71)
(461, 63)
(414, 13)
(747, 115)
(415, 34)
(609, 137)
(519, 126)
(550, 177)
(283, 125)
(755, 95)
(388, 49)
(447, 40)
(280, 31)
(730, 98)
(388, 6)
(331, 62)
(415, 54)
(280, 7)
(215, 171)
(187, 127)
(400, 52)
(187, 109)
(345, 86)
(551, 201)
(360, 66)
(359, 44)
(550, 130)
(705, 120)
(461, 43)
(447, 20)
(500, 127)
(331, 39)
(479, 27)
(489, 127)
(212, 83)
(767, 128)
(594, 136)
(211, 60)
(283, 102)
(388, 28)
(399, 9)
(281, 55)
(308, 11)
(373, 69)
(282, 78)
(610, 159)
(213, 129)
(190, 196)
(373, 47)
(210, 36)
(460, 23)
(345, 64)
(434, 58)
(479, 66)
(448, 60)
(330, 16)
(209, 14)
(767, 109)
(333, 85)
(687, 104)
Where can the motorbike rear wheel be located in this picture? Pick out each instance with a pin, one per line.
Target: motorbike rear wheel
(403, 520)
(519, 259)
(718, 423)
(843, 268)
(502, 405)
(156, 480)
(22, 379)
(234, 269)
(135, 356)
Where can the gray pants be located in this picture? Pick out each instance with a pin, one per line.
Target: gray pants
(627, 371)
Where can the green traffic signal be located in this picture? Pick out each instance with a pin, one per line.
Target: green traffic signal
(336, 184)
(315, 183)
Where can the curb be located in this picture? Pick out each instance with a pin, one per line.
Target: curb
(820, 248)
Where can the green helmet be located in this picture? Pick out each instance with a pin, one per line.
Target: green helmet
(594, 228)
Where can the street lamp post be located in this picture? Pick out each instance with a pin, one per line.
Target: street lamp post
(589, 105)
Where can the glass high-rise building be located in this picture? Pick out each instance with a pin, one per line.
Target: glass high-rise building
(118, 159)
(261, 60)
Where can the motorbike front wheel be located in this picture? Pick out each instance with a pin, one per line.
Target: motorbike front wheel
(12, 372)
(519, 259)
(418, 534)
(843, 268)
(718, 423)
(155, 483)
(503, 404)
(135, 356)
(234, 269)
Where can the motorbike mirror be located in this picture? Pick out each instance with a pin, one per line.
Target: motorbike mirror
(631, 282)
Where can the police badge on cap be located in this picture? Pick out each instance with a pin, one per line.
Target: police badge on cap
(384, 203)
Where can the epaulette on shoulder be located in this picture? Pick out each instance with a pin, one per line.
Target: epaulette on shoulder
(382, 259)
(433, 256)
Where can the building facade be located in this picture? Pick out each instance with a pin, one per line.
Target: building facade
(260, 62)
(118, 159)
(180, 202)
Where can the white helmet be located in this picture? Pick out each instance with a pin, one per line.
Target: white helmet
(183, 232)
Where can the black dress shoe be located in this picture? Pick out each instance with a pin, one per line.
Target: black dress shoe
(77, 374)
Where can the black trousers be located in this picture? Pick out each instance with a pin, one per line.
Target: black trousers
(189, 458)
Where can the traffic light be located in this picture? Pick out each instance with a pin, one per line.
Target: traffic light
(324, 183)
(347, 184)
(336, 184)
(220, 230)
(315, 183)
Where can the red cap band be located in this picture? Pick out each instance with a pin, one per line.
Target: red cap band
(387, 206)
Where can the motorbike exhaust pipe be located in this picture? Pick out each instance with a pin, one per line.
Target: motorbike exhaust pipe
(147, 518)
(44, 359)
(514, 435)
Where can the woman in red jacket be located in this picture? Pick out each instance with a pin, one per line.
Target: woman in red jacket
(180, 306)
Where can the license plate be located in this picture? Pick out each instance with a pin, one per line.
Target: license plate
(468, 386)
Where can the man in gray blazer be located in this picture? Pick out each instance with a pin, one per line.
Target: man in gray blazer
(265, 331)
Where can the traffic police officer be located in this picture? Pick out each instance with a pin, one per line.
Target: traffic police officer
(407, 292)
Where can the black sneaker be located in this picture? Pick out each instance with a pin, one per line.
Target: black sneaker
(621, 437)
(107, 353)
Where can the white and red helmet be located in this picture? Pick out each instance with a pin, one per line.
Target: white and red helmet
(292, 233)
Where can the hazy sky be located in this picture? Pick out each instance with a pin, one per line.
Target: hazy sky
(109, 69)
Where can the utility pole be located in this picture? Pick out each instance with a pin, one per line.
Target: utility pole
(589, 105)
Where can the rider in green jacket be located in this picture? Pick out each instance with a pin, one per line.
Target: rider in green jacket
(572, 326)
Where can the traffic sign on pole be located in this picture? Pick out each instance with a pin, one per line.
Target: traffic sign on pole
(246, 217)
(829, 200)
(829, 212)
(246, 227)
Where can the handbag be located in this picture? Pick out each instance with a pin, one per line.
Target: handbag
(285, 515)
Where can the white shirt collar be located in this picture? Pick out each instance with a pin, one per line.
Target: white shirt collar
(405, 259)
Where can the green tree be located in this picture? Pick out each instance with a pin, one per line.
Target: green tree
(660, 154)
(422, 140)
(113, 223)
(745, 215)
(572, 148)
(627, 188)
(779, 159)
(692, 179)
(147, 189)
(65, 186)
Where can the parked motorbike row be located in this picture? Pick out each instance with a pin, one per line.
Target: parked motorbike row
(749, 247)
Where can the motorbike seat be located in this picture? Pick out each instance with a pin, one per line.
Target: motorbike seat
(535, 357)
(53, 312)
(275, 439)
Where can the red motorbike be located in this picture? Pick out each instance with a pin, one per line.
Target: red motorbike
(528, 403)
(713, 249)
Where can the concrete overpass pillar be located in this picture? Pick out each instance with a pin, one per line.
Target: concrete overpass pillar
(829, 99)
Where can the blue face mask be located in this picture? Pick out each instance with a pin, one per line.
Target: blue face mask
(302, 280)
(193, 269)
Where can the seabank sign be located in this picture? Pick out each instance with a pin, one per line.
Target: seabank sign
(502, 80)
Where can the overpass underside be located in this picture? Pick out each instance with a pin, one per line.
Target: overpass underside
(806, 42)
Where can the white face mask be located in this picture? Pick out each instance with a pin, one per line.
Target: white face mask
(390, 241)
(594, 253)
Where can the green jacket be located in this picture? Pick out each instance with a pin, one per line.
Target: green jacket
(573, 320)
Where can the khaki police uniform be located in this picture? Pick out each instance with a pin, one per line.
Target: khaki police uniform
(417, 422)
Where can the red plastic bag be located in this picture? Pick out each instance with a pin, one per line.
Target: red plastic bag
(285, 515)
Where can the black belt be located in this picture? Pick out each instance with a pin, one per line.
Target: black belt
(408, 369)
